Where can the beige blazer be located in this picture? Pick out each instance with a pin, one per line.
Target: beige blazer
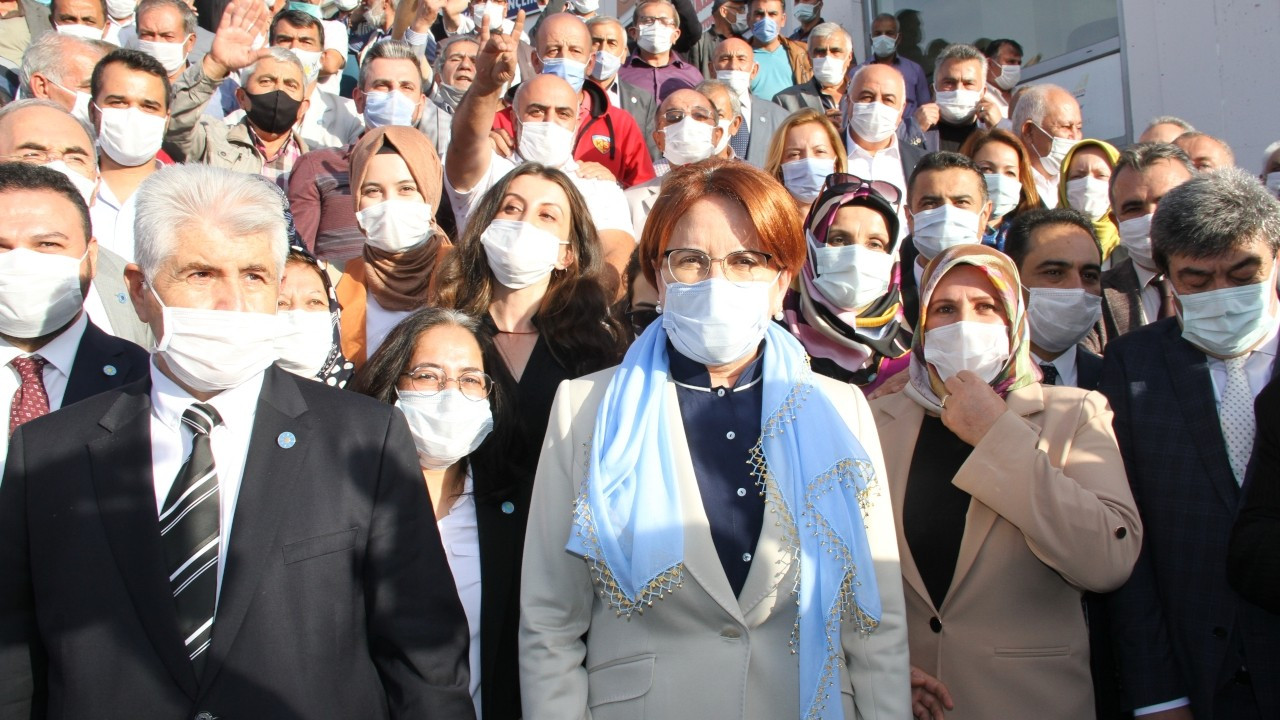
(1051, 517)
(700, 653)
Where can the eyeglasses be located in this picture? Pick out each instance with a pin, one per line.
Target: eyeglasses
(430, 380)
(74, 159)
(845, 183)
(640, 319)
(647, 20)
(701, 114)
(740, 268)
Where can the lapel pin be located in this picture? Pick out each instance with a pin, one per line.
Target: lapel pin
(109, 370)
(508, 507)
(286, 440)
(122, 298)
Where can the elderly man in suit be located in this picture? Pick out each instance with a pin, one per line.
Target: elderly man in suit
(52, 354)
(735, 64)
(1134, 292)
(1183, 392)
(208, 532)
(693, 123)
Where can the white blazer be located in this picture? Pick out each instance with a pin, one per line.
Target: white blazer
(700, 653)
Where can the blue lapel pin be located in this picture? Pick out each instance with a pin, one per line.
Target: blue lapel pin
(508, 507)
(109, 370)
(286, 440)
(122, 298)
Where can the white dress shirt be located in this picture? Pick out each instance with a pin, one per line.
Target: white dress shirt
(113, 221)
(1047, 186)
(884, 166)
(1065, 364)
(459, 533)
(378, 323)
(59, 354)
(171, 443)
(1149, 296)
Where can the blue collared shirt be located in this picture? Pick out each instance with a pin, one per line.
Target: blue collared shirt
(722, 425)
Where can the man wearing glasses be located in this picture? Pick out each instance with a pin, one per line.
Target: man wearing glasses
(655, 67)
(688, 132)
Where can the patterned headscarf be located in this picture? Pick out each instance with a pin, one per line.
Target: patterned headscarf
(1105, 227)
(926, 387)
(336, 370)
(844, 335)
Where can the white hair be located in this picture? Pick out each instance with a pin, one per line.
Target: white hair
(830, 28)
(1032, 105)
(50, 55)
(279, 54)
(960, 52)
(185, 197)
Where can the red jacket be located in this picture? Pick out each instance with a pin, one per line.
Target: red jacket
(606, 135)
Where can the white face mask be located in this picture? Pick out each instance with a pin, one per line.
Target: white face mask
(958, 106)
(1061, 317)
(1009, 76)
(388, 107)
(942, 227)
(852, 276)
(39, 292)
(120, 9)
(607, 65)
(584, 7)
(715, 322)
(129, 136)
(1273, 183)
(1135, 236)
(874, 122)
(655, 38)
(1229, 321)
(497, 12)
(520, 253)
(214, 350)
(1090, 196)
(981, 348)
(88, 188)
(829, 71)
(304, 342)
(396, 225)
(310, 63)
(724, 136)
(1058, 150)
(170, 55)
(80, 106)
(687, 141)
(1005, 193)
(883, 45)
(446, 426)
(546, 143)
(739, 80)
(804, 177)
(87, 32)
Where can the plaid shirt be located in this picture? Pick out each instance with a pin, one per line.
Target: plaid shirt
(277, 169)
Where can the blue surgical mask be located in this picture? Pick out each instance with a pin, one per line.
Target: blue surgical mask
(805, 177)
(383, 108)
(765, 30)
(805, 12)
(1229, 321)
(306, 7)
(567, 69)
(715, 322)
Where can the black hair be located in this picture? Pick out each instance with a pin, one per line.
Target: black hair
(993, 47)
(945, 160)
(1017, 244)
(25, 176)
(298, 19)
(133, 60)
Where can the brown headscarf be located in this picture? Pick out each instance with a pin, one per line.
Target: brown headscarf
(404, 280)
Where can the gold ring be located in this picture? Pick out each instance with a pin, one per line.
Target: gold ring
(944, 401)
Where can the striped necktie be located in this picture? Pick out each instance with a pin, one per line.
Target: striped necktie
(190, 536)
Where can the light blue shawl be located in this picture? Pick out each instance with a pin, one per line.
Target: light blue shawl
(628, 517)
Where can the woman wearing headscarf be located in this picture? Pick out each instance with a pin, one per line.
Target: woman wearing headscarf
(847, 307)
(710, 535)
(310, 342)
(1011, 501)
(440, 368)
(395, 183)
(1085, 185)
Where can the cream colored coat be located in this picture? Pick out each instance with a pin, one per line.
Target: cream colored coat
(1051, 516)
(701, 653)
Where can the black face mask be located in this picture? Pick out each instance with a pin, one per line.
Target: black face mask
(273, 112)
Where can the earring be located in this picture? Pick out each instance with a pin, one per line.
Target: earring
(658, 308)
(778, 316)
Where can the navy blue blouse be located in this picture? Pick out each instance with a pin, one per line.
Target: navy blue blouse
(722, 425)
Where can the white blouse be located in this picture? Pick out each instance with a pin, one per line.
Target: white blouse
(461, 539)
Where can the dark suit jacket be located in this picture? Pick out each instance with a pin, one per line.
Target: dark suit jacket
(801, 96)
(1253, 562)
(336, 600)
(103, 362)
(1180, 629)
(642, 107)
(766, 117)
(1121, 306)
(1088, 368)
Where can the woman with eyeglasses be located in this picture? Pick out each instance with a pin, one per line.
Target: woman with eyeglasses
(1011, 501)
(434, 366)
(847, 307)
(710, 534)
(804, 150)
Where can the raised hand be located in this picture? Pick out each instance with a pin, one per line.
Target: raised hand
(243, 22)
(497, 61)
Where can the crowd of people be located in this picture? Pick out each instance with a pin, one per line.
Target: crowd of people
(435, 359)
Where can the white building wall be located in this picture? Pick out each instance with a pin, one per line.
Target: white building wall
(1215, 63)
